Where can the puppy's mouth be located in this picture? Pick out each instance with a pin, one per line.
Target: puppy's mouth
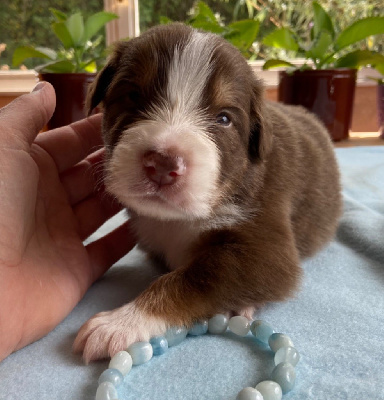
(157, 186)
(161, 201)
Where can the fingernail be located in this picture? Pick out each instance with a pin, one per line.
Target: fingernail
(38, 87)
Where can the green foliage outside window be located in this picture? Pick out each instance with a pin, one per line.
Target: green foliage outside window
(28, 22)
(80, 50)
(328, 47)
(24, 22)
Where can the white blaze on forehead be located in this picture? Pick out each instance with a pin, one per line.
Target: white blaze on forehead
(188, 74)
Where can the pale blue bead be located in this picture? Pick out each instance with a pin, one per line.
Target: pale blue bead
(111, 375)
(239, 325)
(270, 390)
(218, 324)
(285, 375)
(121, 361)
(106, 391)
(278, 340)
(159, 345)
(249, 393)
(287, 354)
(261, 330)
(141, 352)
(199, 328)
(175, 336)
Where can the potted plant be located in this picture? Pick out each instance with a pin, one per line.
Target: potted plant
(73, 65)
(325, 83)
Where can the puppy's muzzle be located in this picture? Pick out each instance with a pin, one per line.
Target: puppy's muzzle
(163, 169)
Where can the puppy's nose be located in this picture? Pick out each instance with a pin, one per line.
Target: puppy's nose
(163, 169)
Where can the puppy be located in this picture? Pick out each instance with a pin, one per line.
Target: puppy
(228, 190)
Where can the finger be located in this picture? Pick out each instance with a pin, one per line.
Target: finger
(94, 211)
(103, 253)
(85, 178)
(23, 118)
(70, 144)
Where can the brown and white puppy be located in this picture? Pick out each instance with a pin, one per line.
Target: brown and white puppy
(230, 191)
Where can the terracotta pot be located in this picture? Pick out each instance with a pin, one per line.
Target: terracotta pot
(380, 108)
(71, 90)
(328, 93)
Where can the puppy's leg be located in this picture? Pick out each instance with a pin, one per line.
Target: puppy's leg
(231, 271)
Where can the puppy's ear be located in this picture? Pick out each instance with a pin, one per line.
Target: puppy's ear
(98, 88)
(260, 141)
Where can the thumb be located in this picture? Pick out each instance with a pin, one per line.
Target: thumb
(23, 118)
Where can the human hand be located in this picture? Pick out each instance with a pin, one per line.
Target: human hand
(48, 205)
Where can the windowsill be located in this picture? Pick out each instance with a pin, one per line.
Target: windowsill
(16, 82)
(361, 139)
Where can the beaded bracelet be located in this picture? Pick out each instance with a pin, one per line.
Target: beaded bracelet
(282, 378)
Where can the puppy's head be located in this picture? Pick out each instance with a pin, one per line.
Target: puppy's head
(183, 122)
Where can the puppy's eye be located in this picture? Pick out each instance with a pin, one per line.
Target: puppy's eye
(223, 119)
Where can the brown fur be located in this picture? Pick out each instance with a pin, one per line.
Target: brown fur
(258, 260)
(277, 163)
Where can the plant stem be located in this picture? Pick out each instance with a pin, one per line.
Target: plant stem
(77, 59)
(325, 60)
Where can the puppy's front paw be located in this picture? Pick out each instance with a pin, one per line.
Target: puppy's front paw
(109, 332)
(247, 312)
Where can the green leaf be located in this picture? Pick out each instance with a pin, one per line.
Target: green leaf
(75, 26)
(360, 58)
(322, 21)
(276, 63)
(243, 33)
(320, 46)
(380, 68)
(165, 20)
(59, 15)
(63, 66)
(50, 53)
(282, 38)
(95, 22)
(89, 66)
(203, 10)
(61, 31)
(24, 52)
(205, 19)
(360, 30)
(207, 26)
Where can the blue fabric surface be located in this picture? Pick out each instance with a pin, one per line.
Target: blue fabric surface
(336, 322)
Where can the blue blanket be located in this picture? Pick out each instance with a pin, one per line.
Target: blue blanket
(336, 322)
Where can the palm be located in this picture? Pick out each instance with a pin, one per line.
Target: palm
(48, 207)
(54, 248)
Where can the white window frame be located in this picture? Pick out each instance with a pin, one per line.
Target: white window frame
(127, 25)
